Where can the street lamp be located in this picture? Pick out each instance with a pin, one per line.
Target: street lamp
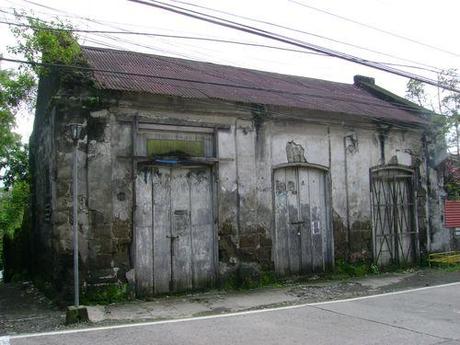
(75, 131)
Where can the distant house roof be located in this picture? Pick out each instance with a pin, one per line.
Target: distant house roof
(138, 72)
(452, 213)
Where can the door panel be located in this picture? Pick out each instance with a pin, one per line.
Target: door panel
(179, 239)
(161, 181)
(143, 237)
(180, 231)
(203, 265)
(305, 212)
(281, 222)
(293, 224)
(317, 220)
(302, 230)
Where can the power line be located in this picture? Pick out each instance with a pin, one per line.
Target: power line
(429, 68)
(374, 28)
(306, 33)
(196, 38)
(267, 34)
(381, 104)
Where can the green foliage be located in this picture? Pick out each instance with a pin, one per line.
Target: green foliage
(38, 42)
(13, 204)
(105, 294)
(15, 89)
(47, 42)
(450, 268)
(452, 190)
(445, 129)
(445, 103)
(374, 269)
(357, 269)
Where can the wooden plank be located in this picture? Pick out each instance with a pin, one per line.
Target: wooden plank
(143, 237)
(324, 221)
(305, 229)
(162, 228)
(201, 216)
(180, 230)
(293, 232)
(177, 122)
(316, 209)
(188, 129)
(281, 220)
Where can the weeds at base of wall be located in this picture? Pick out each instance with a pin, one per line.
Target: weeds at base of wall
(241, 282)
(106, 294)
(352, 270)
(451, 268)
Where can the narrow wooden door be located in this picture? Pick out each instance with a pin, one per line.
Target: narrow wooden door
(182, 246)
(303, 238)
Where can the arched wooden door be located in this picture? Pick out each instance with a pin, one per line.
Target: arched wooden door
(303, 233)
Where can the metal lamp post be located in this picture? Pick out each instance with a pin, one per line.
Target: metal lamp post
(75, 130)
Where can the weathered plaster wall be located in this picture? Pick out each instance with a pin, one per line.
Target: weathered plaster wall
(247, 151)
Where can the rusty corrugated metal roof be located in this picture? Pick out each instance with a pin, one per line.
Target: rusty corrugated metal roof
(200, 80)
(452, 213)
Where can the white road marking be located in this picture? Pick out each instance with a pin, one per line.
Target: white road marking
(5, 340)
(143, 324)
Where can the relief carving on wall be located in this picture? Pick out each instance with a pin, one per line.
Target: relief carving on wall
(295, 152)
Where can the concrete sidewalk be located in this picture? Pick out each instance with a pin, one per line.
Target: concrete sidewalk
(24, 310)
(218, 302)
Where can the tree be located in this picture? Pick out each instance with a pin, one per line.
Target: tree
(39, 42)
(445, 122)
(444, 103)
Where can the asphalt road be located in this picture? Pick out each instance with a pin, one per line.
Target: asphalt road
(420, 316)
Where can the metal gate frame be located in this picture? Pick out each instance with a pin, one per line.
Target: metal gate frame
(394, 238)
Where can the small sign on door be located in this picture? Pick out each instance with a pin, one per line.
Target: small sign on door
(316, 227)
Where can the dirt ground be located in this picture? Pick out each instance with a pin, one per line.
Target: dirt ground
(23, 309)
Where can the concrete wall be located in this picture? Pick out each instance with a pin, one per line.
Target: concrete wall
(248, 148)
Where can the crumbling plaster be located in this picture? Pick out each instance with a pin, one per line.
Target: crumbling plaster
(246, 156)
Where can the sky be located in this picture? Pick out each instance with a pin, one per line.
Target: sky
(433, 23)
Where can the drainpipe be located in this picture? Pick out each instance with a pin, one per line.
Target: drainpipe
(428, 192)
(347, 199)
(134, 130)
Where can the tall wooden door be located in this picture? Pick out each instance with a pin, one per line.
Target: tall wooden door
(175, 239)
(394, 219)
(303, 235)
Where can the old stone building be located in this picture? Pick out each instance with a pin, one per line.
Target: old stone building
(193, 173)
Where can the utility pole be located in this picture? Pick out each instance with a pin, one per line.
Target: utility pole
(75, 130)
(76, 313)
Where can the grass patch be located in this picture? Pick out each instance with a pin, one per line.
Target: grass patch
(357, 269)
(448, 267)
(105, 294)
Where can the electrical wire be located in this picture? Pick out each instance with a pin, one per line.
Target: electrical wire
(267, 34)
(429, 68)
(304, 32)
(375, 28)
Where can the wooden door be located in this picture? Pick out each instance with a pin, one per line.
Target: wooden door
(303, 236)
(181, 232)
